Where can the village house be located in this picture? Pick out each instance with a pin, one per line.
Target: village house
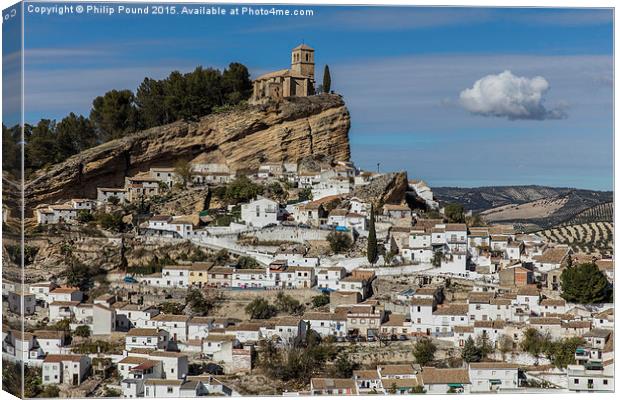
(446, 380)
(359, 281)
(358, 206)
(396, 211)
(363, 319)
(552, 258)
(65, 293)
(552, 306)
(175, 364)
(220, 277)
(582, 378)
(41, 291)
(108, 195)
(261, 212)
(516, 276)
(604, 319)
(419, 249)
(493, 376)
(396, 325)
(332, 386)
(134, 316)
(175, 325)
(368, 381)
(65, 369)
(139, 368)
(399, 378)
(141, 186)
(327, 324)
(329, 278)
(146, 338)
(21, 303)
(165, 175)
(270, 170)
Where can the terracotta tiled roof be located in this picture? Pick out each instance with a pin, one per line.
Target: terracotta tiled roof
(62, 357)
(432, 375)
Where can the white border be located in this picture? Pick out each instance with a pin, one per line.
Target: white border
(478, 3)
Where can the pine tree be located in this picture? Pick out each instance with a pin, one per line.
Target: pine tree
(585, 284)
(372, 250)
(470, 352)
(327, 80)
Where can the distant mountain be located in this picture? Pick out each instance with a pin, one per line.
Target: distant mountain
(531, 206)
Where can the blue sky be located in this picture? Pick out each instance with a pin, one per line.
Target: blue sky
(400, 70)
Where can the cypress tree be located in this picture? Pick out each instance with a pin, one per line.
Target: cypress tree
(371, 251)
(327, 80)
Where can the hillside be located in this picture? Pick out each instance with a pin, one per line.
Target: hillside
(536, 207)
(284, 131)
(591, 238)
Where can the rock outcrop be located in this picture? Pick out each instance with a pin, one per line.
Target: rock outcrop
(287, 131)
(388, 188)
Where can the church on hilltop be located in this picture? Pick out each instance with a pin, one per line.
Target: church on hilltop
(296, 81)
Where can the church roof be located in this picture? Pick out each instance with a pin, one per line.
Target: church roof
(274, 74)
(303, 46)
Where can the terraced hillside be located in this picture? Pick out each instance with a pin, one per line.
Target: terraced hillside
(593, 238)
(599, 213)
(574, 207)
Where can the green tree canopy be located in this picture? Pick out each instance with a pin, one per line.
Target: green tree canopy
(339, 242)
(82, 331)
(585, 284)
(470, 352)
(261, 309)
(455, 213)
(424, 351)
(114, 114)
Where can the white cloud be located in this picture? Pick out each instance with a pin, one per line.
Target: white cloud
(510, 96)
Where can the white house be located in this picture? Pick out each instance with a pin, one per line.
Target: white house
(327, 324)
(165, 175)
(104, 195)
(175, 364)
(329, 278)
(134, 316)
(493, 376)
(146, 338)
(446, 380)
(175, 325)
(582, 379)
(261, 212)
(67, 369)
(65, 293)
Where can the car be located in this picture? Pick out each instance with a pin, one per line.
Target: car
(393, 337)
(129, 279)
(372, 339)
(403, 337)
(340, 339)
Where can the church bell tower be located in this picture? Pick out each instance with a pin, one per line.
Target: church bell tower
(302, 60)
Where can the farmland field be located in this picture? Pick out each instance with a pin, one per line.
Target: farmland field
(594, 237)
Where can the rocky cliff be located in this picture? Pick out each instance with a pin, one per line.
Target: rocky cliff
(389, 188)
(284, 131)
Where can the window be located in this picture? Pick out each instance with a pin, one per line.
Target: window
(169, 389)
(576, 381)
(604, 381)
